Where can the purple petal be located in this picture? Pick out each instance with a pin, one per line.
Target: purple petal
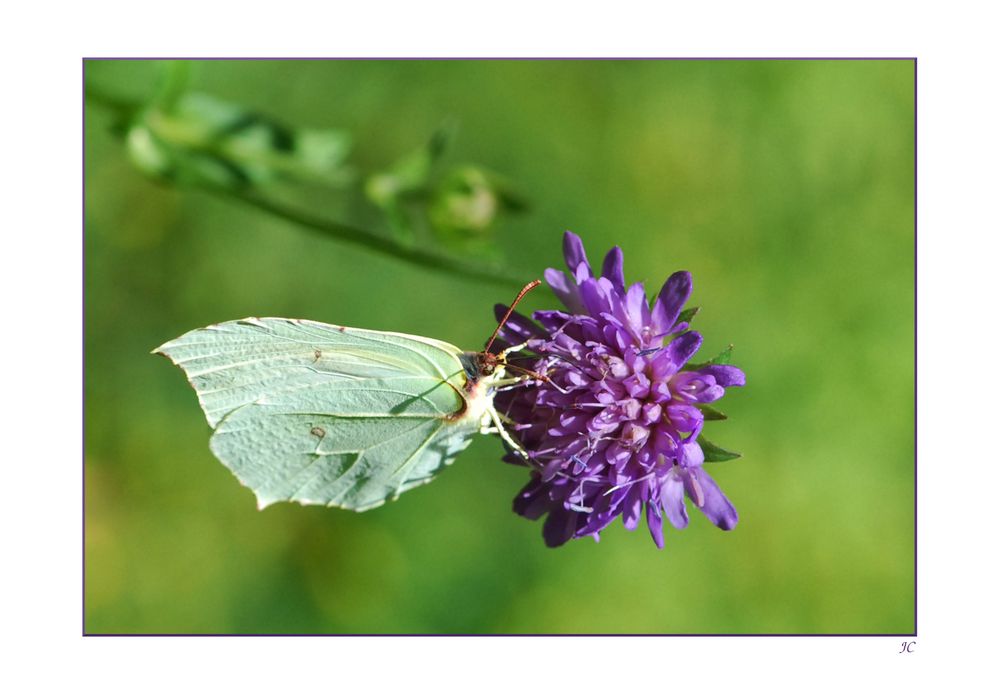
(684, 417)
(616, 338)
(552, 320)
(651, 412)
(634, 435)
(617, 454)
(533, 500)
(716, 507)
(614, 269)
(617, 367)
(548, 472)
(696, 386)
(637, 386)
(636, 308)
(632, 507)
(574, 253)
(683, 347)
(597, 522)
(672, 499)
(655, 522)
(665, 444)
(711, 394)
(571, 423)
(596, 296)
(691, 454)
(566, 291)
(559, 527)
(726, 376)
(675, 292)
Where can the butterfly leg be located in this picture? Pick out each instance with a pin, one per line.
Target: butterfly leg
(515, 348)
(507, 382)
(505, 419)
(499, 428)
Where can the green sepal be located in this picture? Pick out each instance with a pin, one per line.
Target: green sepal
(687, 314)
(721, 358)
(716, 454)
(710, 413)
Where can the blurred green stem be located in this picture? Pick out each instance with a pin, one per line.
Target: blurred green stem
(126, 109)
(376, 242)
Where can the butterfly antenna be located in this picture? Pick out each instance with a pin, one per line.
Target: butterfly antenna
(520, 295)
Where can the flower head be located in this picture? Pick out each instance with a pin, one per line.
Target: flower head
(613, 426)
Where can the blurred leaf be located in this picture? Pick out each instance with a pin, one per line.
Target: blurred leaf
(716, 454)
(410, 173)
(204, 140)
(147, 153)
(511, 200)
(323, 151)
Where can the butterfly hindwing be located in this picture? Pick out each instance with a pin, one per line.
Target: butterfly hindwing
(320, 414)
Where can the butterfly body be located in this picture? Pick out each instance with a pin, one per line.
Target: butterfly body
(321, 414)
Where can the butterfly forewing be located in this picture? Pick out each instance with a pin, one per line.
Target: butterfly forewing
(320, 414)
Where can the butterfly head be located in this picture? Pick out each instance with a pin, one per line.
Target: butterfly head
(479, 365)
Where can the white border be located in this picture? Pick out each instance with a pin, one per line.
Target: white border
(40, 282)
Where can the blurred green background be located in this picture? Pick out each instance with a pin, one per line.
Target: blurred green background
(786, 188)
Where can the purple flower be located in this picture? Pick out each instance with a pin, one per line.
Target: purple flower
(613, 428)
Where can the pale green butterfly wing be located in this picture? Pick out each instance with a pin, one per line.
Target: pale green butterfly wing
(322, 414)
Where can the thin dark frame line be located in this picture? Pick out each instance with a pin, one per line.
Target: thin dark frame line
(501, 58)
(83, 533)
(83, 347)
(501, 636)
(915, 361)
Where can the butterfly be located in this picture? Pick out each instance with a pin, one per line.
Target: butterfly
(323, 414)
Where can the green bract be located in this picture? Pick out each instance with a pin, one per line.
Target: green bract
(323, 414)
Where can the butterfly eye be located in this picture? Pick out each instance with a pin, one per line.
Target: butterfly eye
(487, 364)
